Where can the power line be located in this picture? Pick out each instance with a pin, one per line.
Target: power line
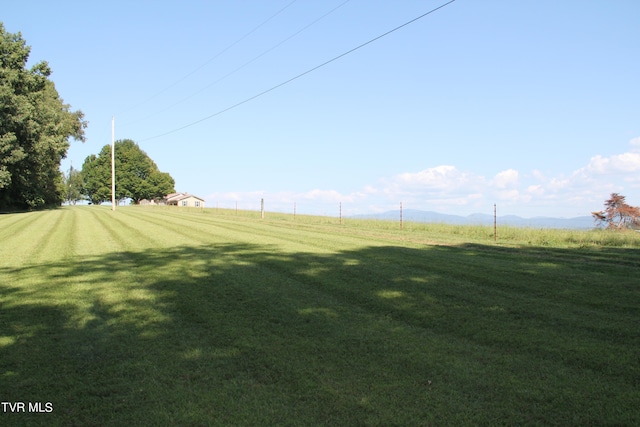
(299, 75)
(246, 63)
(214, 57)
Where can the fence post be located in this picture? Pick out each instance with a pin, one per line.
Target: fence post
(340, 213)
(400, 215)
(262, 208)
(495, 224)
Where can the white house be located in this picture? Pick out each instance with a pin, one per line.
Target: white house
(184, 199)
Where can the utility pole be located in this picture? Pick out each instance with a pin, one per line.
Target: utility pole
(113, 164)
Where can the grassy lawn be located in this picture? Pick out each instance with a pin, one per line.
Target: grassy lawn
(189, 318)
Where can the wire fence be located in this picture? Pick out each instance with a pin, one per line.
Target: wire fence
(399, 214)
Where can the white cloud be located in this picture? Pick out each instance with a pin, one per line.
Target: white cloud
(620, 163)
(585, 188)
(445, 188)
(558, 183)
(439, 177)
(539, 175)
(442, 188)
(515, 196)
(507, 178)
(628, 162)
(432, 182)
(536, 190)
(368, 189)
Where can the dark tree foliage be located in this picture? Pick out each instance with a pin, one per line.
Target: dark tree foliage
(96, 178)
(618, 214)
(35, 127)
(137, 176)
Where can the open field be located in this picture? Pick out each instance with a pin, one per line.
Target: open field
(165, 317)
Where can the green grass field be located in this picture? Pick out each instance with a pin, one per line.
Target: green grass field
(167, 317)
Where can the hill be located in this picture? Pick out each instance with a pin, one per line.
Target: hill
(580, 223)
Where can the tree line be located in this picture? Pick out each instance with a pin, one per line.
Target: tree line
(35, 128)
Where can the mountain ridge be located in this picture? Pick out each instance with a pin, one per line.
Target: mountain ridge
(415, 215)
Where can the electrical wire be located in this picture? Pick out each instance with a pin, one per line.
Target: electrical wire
(245, 64)
(216, 56)
(299, 75)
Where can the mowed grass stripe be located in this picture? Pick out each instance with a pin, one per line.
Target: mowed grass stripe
(293, 236)
(220, 321)
(491, 298)
(510, 296)
(123, 232)
(229, 232)
(38, 240)
(12, 224)
(511, 274)
(22, 236)
(131, 234)
(92, 237)
(222, 228)
(174, 229)
(266, 290)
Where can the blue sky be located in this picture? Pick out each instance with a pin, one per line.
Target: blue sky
(533, 105)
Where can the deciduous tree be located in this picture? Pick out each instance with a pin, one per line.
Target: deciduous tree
(618, 214)
(35, 127)
(96, 179)
(137, 176)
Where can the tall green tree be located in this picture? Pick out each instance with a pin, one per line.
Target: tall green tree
(96, 178)
(35, 127)
(137, 176)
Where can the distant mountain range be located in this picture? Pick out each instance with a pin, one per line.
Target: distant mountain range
(580, 222)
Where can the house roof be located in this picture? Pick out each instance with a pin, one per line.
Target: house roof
(176, 197)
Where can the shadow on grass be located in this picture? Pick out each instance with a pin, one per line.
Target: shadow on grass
(243, 334)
